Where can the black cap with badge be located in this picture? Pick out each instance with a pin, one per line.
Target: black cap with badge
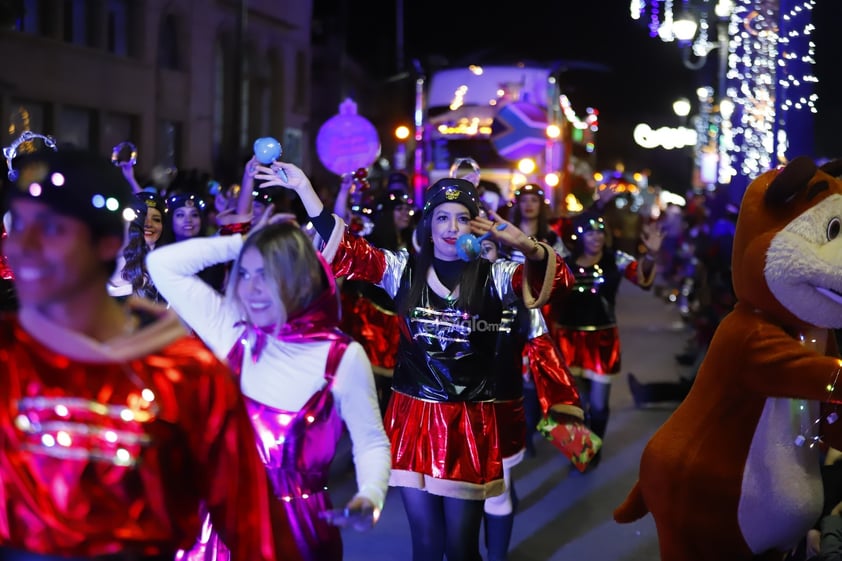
(451, 190)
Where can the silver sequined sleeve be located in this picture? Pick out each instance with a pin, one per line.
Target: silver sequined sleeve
(396, 262)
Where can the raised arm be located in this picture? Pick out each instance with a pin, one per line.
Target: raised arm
(297, 180)
(174, 269)
(652, 237)
(544, 271)
(128, 172)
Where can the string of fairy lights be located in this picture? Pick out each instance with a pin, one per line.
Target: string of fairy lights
(769, 80)
(769, 101)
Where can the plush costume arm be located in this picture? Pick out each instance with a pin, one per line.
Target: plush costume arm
(789, 368)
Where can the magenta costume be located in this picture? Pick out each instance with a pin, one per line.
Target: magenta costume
(297, 447)
(297, 429)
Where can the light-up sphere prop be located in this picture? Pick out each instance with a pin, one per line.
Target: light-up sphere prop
(268, 150)
(469, 247)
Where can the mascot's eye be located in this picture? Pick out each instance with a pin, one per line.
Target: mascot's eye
(833, 228)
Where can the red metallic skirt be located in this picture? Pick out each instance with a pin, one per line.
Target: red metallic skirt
(591, 354)
(448, 449)
(376, 329)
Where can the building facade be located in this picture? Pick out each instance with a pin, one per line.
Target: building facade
(191, 83)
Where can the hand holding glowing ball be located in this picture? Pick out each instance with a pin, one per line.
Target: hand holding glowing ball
(268, 150)
(469, 247)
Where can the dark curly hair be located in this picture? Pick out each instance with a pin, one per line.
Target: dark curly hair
(135, 252)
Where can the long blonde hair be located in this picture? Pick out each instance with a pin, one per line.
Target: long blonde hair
(292, 269)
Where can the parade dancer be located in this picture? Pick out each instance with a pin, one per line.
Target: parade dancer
(145, 233)
(302, 377)
(115, 425)
(531, 213)
(549, 376)
(585, 321)
(441, 418)
(187, 219)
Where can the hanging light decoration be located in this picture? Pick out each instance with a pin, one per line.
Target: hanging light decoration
(767, 92)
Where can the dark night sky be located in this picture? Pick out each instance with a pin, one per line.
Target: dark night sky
(613, 64)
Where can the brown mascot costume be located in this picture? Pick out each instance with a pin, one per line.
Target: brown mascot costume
(734, 473)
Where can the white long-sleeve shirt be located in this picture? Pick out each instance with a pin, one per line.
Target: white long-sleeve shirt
(287, 374)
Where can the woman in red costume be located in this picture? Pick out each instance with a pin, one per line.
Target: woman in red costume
(531, 213)
(115, 424)
(550, 378)
(454, 346)
(585, 321)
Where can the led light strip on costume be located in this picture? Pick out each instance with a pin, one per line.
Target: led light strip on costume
(831, 417)
(83, 429)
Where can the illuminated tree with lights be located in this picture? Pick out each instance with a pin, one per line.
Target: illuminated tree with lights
(766, 75)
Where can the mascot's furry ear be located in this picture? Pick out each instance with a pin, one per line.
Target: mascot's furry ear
(833, 167)
(789, 181)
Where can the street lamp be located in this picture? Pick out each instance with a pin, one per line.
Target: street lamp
(684, 27)
(402, 133)
(692, 33)
(681, 107)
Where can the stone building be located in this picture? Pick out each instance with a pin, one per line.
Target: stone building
(166, 75)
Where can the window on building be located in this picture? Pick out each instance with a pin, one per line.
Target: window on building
(278, 91)
(22, 16)
(265, 104)
(117, 128)
(78, 23)
(168, 55)
(76, 127)
(34, 19)
(117, 22)
(293, 146)
(26, 115)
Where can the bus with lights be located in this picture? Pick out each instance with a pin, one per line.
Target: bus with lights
(512, 120)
